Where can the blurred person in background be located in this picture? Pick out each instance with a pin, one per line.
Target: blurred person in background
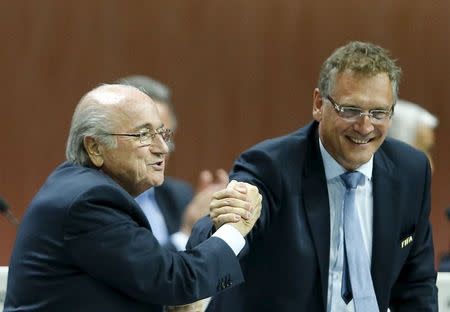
(84, 243)
(171, 208)
(414, 125)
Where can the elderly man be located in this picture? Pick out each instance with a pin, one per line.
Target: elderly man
(171, 208)
(84, 243)
(345, 218)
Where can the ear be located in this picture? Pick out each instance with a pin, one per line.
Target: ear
(94, 151)
(317, 105)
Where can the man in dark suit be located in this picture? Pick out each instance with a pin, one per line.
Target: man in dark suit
(304, 233)
(171, 208)
(85, 245)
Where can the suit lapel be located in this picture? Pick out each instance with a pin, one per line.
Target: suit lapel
(386, 218)
(317, 208)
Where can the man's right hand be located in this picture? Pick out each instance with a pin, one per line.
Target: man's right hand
(238, 205)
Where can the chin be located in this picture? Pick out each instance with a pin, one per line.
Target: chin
(356, 163)
(158, 181)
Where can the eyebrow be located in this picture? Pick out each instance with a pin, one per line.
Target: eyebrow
(147, 126)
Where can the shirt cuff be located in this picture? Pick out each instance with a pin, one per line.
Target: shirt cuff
(179, 240)
(232, 237)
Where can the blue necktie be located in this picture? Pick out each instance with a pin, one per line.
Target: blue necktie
(356, 278)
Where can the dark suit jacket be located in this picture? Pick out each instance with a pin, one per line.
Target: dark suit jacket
(287, 262)
(85, 245)
(172, 197)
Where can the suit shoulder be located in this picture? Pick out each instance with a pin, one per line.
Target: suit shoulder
(402, 154)
(403, 161)
(70, 182)
(73, 193)
(287, 141)
(283, 148)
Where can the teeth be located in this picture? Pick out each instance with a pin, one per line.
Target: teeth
(359, 141)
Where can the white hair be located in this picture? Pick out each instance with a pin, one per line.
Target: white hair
(93, 117)
(407, 118)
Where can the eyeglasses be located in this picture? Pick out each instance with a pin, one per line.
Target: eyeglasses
(354, 113)
(147, 136)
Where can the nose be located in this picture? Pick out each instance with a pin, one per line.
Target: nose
(364, 125)
(159, 145)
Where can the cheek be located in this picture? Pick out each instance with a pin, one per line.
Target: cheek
(329, 128)
(340, 129)
(382, 131)
(141, 155)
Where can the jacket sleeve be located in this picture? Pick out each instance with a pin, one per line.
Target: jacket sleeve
(257, 168)
(104, 241)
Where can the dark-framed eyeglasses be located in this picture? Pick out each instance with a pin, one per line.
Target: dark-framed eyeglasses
(147, 136)
(354, 113)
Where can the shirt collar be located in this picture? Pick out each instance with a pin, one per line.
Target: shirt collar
(147, 195)
(333, 169)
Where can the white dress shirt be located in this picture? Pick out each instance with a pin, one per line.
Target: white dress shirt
(150, 207)
(364, 206)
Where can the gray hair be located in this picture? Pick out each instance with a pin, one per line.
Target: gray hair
(93, 118)
(406, 119)
(154, 89)
(362, 58)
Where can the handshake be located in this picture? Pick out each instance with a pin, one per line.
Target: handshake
(239, 205)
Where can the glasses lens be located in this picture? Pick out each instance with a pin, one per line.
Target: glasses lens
(148, 136)
(379, 114)
(351, 113)
(145, 137)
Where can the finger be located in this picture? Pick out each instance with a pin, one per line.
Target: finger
(226, 218)
(231, 184)
(239, 186)
(252, 189)
(252, 192)
(229, 193)
(230, 202)
(227, 210)
(258, 204)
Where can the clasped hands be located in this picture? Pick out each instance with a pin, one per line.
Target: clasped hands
(239, 205)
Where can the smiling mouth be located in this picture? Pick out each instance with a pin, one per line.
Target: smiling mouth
(360, 141)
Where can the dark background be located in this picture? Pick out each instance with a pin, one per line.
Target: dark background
(241, 71)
